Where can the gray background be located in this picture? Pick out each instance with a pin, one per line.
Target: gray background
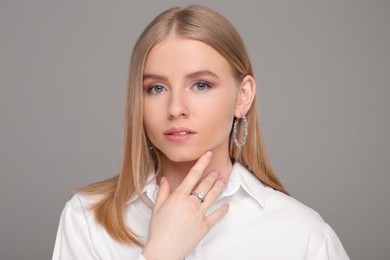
(322, 69)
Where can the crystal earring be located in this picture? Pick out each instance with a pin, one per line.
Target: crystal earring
(239, 144)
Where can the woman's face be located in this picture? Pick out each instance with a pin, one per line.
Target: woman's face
(189, 99)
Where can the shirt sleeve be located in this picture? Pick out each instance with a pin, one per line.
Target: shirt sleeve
(74, 236)
(331, 248)
(73, 239)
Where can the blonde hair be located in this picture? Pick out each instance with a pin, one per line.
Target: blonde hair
(198, 23)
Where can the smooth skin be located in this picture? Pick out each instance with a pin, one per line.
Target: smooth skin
(188, 84)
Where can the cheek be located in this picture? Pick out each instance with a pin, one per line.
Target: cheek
(150, 119)
(218, 116)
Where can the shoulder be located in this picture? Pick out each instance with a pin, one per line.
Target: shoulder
(282, 223)
(299, 225)
(275, 202)
(280, 202)
(304, 225)
(292, 214)
(74, 231)
(79, 203)
(276, 208)
(281, 210)
(78, 211)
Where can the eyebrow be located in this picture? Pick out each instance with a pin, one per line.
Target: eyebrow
(191, 75)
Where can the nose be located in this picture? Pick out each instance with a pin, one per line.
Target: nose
(177, 105)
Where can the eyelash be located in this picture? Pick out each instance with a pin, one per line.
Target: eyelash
(207, 85)
(152, 89)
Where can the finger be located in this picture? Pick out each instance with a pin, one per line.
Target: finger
(217, 215)
(214, 193)
(195, 174)
(163, 193)
(207, 183)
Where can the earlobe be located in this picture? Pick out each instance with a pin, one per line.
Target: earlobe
(246, 95)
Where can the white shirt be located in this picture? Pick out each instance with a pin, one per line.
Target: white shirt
(262, 223)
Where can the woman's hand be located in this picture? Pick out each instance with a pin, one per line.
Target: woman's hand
(179, 219)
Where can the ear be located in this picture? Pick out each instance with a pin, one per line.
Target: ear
(245, 97)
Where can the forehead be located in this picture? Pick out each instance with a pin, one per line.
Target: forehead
(184, 55)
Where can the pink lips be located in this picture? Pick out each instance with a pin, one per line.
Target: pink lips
(179, 134)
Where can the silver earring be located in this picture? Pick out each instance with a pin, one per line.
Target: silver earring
(239, 144)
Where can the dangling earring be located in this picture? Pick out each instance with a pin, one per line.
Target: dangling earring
(239, 144)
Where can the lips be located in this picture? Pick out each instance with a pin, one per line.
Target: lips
(179, 134)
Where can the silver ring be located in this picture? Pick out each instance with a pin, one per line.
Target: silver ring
(200, 195)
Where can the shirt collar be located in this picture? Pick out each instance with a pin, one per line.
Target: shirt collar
(240, 177)
(150, 190)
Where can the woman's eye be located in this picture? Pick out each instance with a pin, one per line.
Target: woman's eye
(201, 86)
(157, 89)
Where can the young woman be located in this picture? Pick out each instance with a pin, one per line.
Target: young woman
(195, 182)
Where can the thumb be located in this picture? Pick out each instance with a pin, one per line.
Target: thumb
(163, 193)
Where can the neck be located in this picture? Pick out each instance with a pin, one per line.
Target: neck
(175, 172)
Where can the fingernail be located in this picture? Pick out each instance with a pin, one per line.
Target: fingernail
(208, 155)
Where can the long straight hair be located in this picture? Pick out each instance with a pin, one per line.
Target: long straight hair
(197, 23)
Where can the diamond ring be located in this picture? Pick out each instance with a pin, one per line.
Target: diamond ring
(200, 195)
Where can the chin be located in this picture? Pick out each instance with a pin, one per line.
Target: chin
(183, 156)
